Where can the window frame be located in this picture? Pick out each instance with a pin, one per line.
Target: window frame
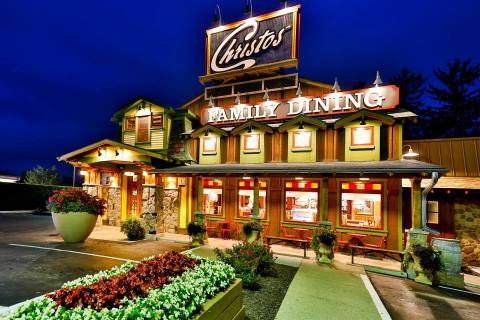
(302, 148)
(284, 199)
(237, 199)
(372, 136)
(209, 152)
(157, 114)
(222, 187)
(137, 127)
(251, 150)
(126, 127)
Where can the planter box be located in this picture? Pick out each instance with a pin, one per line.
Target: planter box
(226, 305)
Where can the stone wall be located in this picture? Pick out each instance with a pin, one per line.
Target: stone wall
(167, 220)
(467, 229)
(114, 206)
(149, 203)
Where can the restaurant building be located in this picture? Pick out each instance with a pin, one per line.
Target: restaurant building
(261, 141)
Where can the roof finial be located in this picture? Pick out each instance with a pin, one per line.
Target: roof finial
(237, 99)
(210, 102)
(378, 81)
(336, 86)
(299, 90)
(266, 97)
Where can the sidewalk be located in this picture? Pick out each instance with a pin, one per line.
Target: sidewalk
(322, 292)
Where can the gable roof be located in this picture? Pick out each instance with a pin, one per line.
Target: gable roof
(117, 116)
(302, 119)
(253, 124)
(208, 127)
(385, 119)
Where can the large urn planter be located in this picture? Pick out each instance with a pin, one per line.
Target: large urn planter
(74, 227)
(252, 230)
(324, 253)
(74, 213)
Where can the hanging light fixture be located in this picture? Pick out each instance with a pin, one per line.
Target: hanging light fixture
(237, 99)
(378, 81)
(362, 120)
(249, 128)
(99, 152)
(336, 86)
(410, 153)
(206, 132)
(117, 153)
(301, 125)
(210, 102)
(217, 16)
(249, 7)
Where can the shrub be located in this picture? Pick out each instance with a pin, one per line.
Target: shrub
(251, 226)
(429, 260)
(150, 220)
(195, 228)
(134, 229)
(323, 235)
(249, 261)
(75, 200)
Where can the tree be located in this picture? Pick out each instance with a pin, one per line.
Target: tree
(412, 88)
(459, 96)
(40, 175)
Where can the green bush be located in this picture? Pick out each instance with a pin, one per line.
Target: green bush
(19, 196)
(323, 235)
(249, 261)
(134, 229)
(195, 228)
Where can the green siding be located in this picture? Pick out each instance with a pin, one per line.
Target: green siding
(302, 156)
(253, 156)
(210, 158)
(359, 153)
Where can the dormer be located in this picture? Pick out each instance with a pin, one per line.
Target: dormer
(145, 124)
(252, 135)
(305, 136)
(363, 135)
(210, 144)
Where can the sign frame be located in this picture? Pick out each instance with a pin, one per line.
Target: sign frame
(294, 10)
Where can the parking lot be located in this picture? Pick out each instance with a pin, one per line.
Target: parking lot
(34, 260)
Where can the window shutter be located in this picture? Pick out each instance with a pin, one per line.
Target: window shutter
(157, 120)
(143, 129)
(129, 124)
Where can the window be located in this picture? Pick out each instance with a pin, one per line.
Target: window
(251, 142)
(361, 205)
(209, 145)
(106, 178)
(362, 136)
(302, 140)
(301, 201)
(130, 123)
(212, 196)
(143, 129)
(432, 212)
(245, 198)
(157, 121)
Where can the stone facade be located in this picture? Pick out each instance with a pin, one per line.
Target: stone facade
(167, 220)
(114, 206)
(149, 199)
(467, 229)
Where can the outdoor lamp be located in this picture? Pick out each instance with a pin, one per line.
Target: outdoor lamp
(410, 153)
(99, 152)
(249, 128)
(301, 125)
(206, 133)
(217, 17)
(83, 172)
(362, 121)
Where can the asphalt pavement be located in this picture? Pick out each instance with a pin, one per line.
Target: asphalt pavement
(29, 269)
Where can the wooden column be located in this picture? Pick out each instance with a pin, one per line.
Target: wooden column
(200, 194)
(416, 203)
(324, 199)
(256, 197)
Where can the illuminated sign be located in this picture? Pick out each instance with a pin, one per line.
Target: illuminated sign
(377, 98)
(256, 41)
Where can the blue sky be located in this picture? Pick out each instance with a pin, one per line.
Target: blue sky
(67, 66)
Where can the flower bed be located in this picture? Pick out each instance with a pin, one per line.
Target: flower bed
(186, 283)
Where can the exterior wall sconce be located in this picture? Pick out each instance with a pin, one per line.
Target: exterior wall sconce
(249, 128)
(83, 172)
(410, 153)
(362, 121)
(301, 125)
(129, 173)
(117, 153)
(145, 173)
(99, 152)
(206, 133)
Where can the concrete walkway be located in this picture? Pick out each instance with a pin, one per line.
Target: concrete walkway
(322, 292)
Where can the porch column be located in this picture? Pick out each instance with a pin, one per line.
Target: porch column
(416, 202)
(200, 194)
(324, 199)
(256, 196)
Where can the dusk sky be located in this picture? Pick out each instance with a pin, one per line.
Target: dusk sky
(67, 66)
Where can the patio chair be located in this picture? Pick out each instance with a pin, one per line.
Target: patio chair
(225, 230)
(212, 228)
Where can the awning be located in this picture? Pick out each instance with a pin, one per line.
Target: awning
(464, 183)
(404, 167)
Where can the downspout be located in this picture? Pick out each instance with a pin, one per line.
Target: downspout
(433, 182)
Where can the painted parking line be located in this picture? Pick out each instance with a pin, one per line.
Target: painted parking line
(376, 299)
(71, 251)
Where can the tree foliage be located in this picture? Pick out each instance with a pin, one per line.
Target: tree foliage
(44, 176)
(459, 96)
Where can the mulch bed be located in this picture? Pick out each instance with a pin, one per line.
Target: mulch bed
(263, 304)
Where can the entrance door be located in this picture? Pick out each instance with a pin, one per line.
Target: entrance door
(134, 196)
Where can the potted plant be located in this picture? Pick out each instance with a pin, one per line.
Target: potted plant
(252, 230)
(197, 229)
(426, 263)
(323, 240)
(134, 229)
(74, 213)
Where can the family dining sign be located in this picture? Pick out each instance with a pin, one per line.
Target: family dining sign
(376, 98)
(257, 41)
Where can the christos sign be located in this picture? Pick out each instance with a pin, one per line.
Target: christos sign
(377, 98)
(256, 41)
